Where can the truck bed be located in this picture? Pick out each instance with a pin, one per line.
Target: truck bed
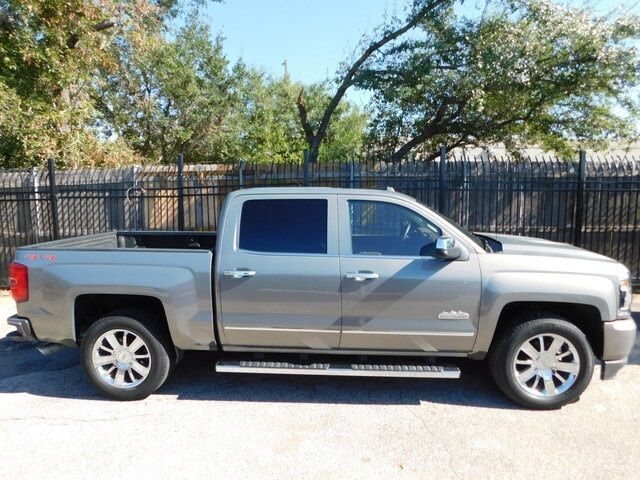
(170, 269)
(134, 239)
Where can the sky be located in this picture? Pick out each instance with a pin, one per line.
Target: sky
(314, 36)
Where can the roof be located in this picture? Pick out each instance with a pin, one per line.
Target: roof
(319, 191)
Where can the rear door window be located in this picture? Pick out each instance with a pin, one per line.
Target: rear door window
(284, 226)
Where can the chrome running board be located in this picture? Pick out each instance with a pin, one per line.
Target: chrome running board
(339, 369)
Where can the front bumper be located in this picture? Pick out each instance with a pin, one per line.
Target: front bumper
(619, 338)
(23, 326)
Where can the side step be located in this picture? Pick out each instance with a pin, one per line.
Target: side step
(339, 369)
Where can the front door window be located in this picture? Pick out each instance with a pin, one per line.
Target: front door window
(387, 229)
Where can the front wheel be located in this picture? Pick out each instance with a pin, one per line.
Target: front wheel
(126, 358)
(543, 363)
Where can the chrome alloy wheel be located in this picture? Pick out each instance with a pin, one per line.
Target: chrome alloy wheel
(546, 365)
(121, 358)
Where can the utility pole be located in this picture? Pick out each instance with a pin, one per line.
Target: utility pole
(285, 64)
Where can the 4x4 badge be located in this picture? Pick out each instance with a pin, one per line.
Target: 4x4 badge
(453, 315)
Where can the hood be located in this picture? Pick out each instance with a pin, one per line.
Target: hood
(516, 245)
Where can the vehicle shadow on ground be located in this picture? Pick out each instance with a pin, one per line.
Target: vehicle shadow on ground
(475, 388)
(24, 369)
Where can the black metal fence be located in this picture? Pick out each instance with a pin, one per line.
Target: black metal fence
(590, 201)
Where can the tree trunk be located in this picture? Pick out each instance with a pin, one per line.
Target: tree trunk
(314, 151)
(65, 99)
(316, 138)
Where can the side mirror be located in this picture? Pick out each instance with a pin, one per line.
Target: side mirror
(446, 248)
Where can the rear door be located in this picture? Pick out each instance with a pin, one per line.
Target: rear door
(279, 275)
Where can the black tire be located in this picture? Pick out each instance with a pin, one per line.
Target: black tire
(507, 344)
(159, 346)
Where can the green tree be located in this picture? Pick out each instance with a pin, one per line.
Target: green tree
(167, 97)
(316, 130)
(50, 52)
(179, 94)
(529, 72)
(273, 127)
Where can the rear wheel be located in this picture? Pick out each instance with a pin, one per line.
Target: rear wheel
(544, 362)
(126, 358)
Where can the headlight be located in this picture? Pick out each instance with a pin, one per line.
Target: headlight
(626, 295)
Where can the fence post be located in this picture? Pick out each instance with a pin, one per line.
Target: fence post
(138, 207)
(39, 227)
(465, 207)
(305, 169)
(351, 173)
(241, 164)
(579, 212)
(442, 178)
(180, 192)
(53, 200)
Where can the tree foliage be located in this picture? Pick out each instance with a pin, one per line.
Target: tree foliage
(524, 73)
(170, 97)
(284, 138)
(316, 132)
(112, 82)
(183, 96)
(115, 82)
(49, 53)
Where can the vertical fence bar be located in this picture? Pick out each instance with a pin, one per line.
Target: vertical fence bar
(136, 190)
(180, 192)
(351, 174)
(305, 173)
(53, 199)
(465, 208)
(579, 212)
(241, 164)
(442, 179)
(38, 228)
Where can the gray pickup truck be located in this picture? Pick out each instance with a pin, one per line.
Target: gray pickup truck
(321, 281)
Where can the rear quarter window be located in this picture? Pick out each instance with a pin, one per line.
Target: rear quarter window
(284, 226)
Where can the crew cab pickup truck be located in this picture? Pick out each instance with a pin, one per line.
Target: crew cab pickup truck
(322, 281)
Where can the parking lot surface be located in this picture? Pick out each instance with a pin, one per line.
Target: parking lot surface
(53, 424)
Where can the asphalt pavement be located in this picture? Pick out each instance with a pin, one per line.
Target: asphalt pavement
(53, 424)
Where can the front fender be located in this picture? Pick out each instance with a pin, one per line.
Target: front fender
(503, 288)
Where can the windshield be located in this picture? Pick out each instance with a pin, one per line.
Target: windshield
(473, 237)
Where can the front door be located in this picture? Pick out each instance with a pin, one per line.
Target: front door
(395, 294)
(280, 274)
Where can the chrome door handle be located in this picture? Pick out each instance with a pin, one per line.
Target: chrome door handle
(239, 273)
(362, 276)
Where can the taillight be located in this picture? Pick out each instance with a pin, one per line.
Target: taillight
(19, 282)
